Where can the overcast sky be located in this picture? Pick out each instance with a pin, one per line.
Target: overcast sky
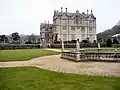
(25, 16)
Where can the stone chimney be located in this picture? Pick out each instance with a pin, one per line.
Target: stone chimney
(91, 12)
(66, 10)
(48, 23)
(87, 12)
(61, 9)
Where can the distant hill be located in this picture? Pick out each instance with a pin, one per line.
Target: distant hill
(114, 31)
(118, 23)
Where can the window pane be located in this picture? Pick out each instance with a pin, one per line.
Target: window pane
(73, 36)
(90, 29)
(64, 27)
(64, 37)
(83, 37)
(82, 29)
(72, 27)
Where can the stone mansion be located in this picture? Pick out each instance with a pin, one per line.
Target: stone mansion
(69, 26)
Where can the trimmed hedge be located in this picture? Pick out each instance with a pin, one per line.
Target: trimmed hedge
(19, 46)
(73, 45)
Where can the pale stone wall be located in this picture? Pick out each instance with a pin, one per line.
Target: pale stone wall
(64, 28)
(46, 33)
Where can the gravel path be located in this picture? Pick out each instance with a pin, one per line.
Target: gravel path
(55, 63)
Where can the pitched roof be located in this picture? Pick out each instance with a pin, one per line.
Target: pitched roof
(68, 14)
(45, 25)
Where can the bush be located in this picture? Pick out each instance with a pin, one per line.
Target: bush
(115, 41)
(73, 41)
(19, 46)
(67, 41)
(85, 41)
(57, 42)
(28, 42)
(109, 42)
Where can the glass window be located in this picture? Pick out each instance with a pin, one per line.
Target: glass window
(82, 29)
(72, 27)
(74, 20)
(80, 20)
(83, 37)
(64, 27)
(73, 36)
(90, 22)
(77, 19)
(90, 29)
(64, 37)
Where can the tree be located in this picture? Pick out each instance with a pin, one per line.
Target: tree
(15, 36)
(3, 38)
(100, 39)
(115, 41)
(32, 38)
(109, 42)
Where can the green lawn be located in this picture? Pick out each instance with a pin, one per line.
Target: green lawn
(30, 78)
(24, 54)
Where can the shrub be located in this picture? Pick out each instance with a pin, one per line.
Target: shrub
(28, 42)
(73, 41)
(115, 41)
(57, 42)
(109, 42)
(85, 41)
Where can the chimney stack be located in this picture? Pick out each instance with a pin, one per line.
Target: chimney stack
(66, 10)
(87, 12)
(61, 9)
(91, 12)
(48, 23)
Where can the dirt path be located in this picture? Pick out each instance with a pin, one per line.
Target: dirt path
(55, 63)
(57, 50)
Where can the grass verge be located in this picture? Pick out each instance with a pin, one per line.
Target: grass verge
(30, 78)
(24, 54)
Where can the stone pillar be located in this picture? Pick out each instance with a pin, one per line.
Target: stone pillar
(62, 44)
(98, 45)
(77, 50)
(77, 46)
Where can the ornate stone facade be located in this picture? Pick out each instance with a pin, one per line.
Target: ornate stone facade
(46, 33)
(72, 26)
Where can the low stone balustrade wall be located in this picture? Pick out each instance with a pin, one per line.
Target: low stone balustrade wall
(91, 56)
